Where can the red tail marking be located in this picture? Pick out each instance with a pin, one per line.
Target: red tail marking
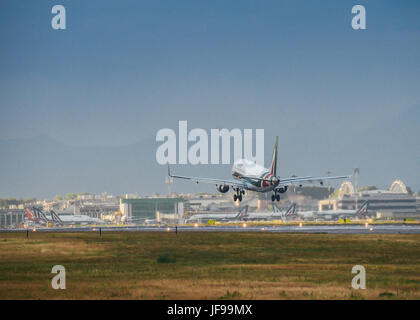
(30, 214)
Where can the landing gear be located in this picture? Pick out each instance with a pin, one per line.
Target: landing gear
(275, 196)
(238, 195)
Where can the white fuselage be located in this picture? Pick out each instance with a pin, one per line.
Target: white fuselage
(245, 170)
(328, 214)
(79, 219)
(264, 216)
(215, 216)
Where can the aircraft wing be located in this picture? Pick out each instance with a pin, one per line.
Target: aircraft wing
(231, 183)
(308, 180)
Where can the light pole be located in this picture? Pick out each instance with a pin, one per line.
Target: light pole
(356, 173)
(169, 181)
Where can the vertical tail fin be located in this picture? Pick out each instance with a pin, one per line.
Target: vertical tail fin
(29, 214)
(291, 210)
(35, 211)
(40, 215)
(363, 208)
(273, 166)
(243, 212)
(55, 217)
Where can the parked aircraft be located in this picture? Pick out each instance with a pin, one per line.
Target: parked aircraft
(336, 214)
(204, 217)
(276, 215)
(37, 216)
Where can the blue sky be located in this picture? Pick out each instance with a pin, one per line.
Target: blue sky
(124, 69)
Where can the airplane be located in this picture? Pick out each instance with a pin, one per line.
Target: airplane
(73, 219)
(271, 215)
(37, 216)
(200, 217)
(250, 176)
(34, 216)
(337, 214)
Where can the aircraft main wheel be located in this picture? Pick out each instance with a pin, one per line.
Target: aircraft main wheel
(277, 197)
(240, 198)
(273, 197)
(235, 197)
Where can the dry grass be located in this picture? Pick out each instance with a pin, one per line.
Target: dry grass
(209, 266)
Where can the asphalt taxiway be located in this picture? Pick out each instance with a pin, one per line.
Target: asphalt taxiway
(327, 229)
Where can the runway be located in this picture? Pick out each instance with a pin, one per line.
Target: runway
(327, 229)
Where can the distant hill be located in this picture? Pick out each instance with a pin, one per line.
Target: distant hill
(42, 167)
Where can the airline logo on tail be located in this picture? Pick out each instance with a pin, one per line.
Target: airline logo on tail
(30, 214)
(55, 217)
(291, 210)
(273, 167)
(36, 215)
(40, 215)
(364, 208)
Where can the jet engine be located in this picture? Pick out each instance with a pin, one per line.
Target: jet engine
(282, 189)
(223, 188)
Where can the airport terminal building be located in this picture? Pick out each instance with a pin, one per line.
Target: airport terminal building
(137, 210)
(395, 203)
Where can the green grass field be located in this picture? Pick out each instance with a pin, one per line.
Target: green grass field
(208, 266)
